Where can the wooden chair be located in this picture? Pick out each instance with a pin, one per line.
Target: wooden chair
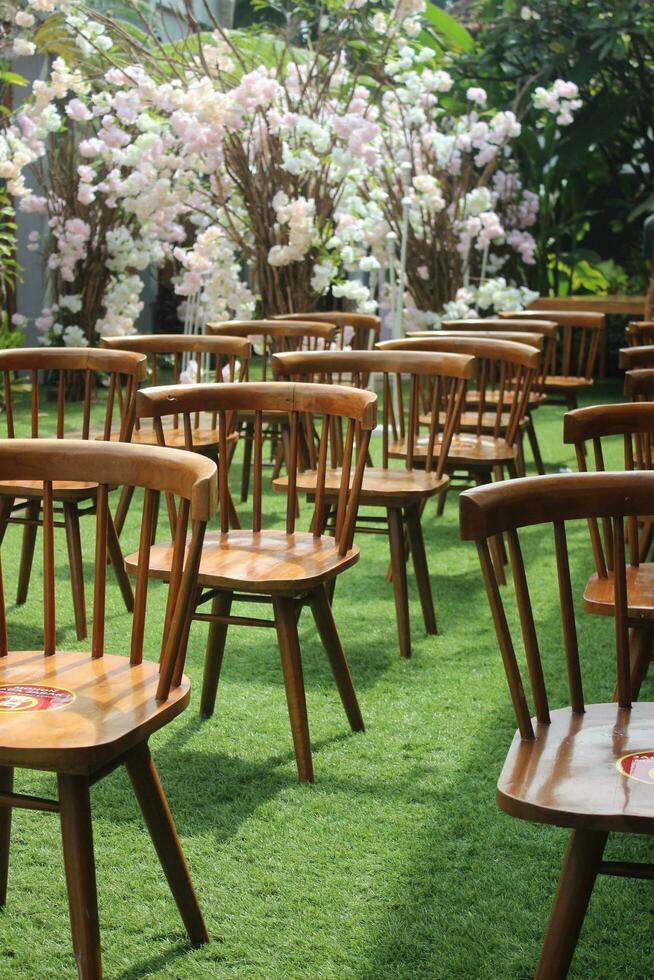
(631, 358)
(586, 766)
(581, 338)
(485, 443)
(639, 384)
(230, 357)
(21, 501)
(286, 568)
(400, 493)
(357, 331)
(81, 715)
(639, 333)
(540, 334)
(635, 424)
(272, 336)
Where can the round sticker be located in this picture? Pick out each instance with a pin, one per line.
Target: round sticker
(638, 765)
(33, 697)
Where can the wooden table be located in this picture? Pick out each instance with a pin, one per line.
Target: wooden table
(623, 305)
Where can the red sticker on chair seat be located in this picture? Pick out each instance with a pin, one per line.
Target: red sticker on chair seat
(638, 765)
(33, 697)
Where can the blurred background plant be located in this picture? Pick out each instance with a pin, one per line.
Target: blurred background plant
(597, 189)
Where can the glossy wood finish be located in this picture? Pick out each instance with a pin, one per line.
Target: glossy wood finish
(439, 381)
(639, 383)
(358, 331)
(227, 358)
(72, 369)
(507, 371)
(283, 568)
(582, 334)
(640, 333)
(270, 337)
(566, 767)
(642, 356)
(80, 715)
(586, 429)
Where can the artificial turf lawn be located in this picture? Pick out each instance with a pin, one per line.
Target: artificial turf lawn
(397, 862)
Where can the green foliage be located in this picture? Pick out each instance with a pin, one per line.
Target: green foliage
(602, 172)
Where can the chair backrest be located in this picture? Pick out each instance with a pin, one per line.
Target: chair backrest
(530, 339)
(634, 422)
(630, 358)
(231, 359)
(276, 336)
(231, 354)
(640, 332)
(503, 508)
(359, 408)
(359, 331)
(639, 384)
(75, 372)
(435, 380)
(506, 375)
(190, 477)
(580, 335)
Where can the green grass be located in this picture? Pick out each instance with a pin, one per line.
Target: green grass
(397, 862)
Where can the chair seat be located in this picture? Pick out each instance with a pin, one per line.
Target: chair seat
(599, 594)
(535, 399)
(89, 712)
(202, 435)
(263, 562)
(464, 449)
(61, 489)
(569, 775)
(564, 382)
(378, 484)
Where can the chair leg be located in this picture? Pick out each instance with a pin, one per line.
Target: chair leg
(248, 437)
(571, 401)
(6, 786)
(71, 522)
(122, 509)
(156, 813)
(77, 837)
(442, 499)
(118, 564)
(289, 649)
(331, 641)
(32, 512)
(575, 887)
(417, 544)
(213, 660)
(398, 571)
(535, 447)
(6, 507)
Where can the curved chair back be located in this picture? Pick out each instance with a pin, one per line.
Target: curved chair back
(580, 337)
(75, 370)
(297, 401)
(437, 380)
(506, 375)
(505, 508)
(640, 332)
(190, 477)
(231, 354)
(634, 422)
(359, 331)
(274, 336)
(536, 340)
(639, 384)
(630, 358)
